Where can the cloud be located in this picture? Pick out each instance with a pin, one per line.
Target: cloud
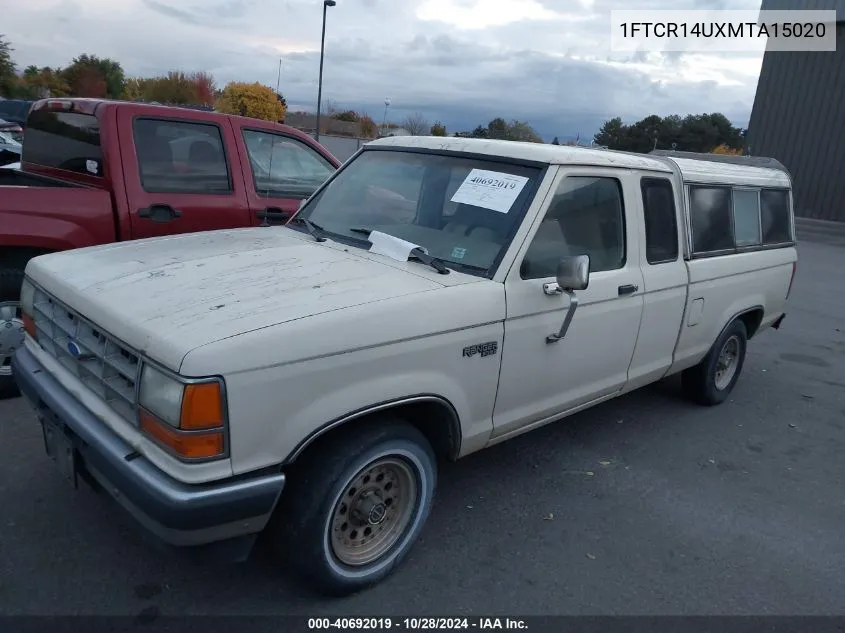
(463, 62)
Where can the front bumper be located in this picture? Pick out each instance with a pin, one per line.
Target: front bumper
(177, 513)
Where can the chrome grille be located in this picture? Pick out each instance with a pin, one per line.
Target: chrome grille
(104, 365)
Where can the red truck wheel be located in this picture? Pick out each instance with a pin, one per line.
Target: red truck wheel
(11, 328)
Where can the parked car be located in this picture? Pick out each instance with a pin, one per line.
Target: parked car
(15, 110)
(96, 172)
(306, 379)
(13, 130)
(10, 149)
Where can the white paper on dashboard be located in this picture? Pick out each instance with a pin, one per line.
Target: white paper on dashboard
(390, 246)
(492, 190)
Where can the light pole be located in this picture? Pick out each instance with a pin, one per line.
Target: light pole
(326, 5)
(384, 120)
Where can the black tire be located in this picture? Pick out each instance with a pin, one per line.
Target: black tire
(11, 280)
(700, 383)
(302, 530)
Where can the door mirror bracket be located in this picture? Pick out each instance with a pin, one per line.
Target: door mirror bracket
(573, 273)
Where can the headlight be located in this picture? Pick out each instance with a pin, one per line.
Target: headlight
(27, 297)
(186, 417)
(28, 308)
(162, 395)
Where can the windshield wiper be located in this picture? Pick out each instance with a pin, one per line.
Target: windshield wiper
(418, 253)
(434, 262)
(315, 230)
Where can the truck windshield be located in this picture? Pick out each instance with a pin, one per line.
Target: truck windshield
(64, 140)
(463, 210)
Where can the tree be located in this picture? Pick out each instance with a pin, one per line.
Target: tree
(350, 116)
(724, 149)
(522, 131)
(41, 83)
(253, 100)
(8, 70)
(479, 132)
(692, 133)
(611, 134)
(174, 88)
(416, 124)
(89, 82)
(555, 141)
(135, 89)
(368, 126)
(438, 129)
(91, 76)
(498, 129)
(204, 88)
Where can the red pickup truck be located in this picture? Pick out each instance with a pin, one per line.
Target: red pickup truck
(95, 172)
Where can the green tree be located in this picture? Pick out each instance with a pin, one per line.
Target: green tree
(612, 134)
(92, 76)
(438, 129)
(40, 83)
(555, 141)
(522, 131)
(498, 129)
(480, 132)
(692, 133)
(8, 70)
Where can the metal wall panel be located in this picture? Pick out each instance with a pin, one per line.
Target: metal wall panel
(798, 119)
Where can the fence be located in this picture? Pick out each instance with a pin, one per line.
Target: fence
(343, 147)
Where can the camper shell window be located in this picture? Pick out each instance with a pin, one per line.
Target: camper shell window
(726, 219)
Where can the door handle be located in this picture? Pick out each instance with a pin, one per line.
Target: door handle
(628, 289)
(159, 213)
(274, 213)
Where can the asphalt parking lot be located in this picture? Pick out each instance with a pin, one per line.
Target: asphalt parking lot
(644, 505)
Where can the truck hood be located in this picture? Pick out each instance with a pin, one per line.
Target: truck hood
(166, 296)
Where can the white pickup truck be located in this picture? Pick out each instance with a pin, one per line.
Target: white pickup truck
(435, 297)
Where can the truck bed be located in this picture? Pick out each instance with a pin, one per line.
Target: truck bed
(46, 213)
(18, 178)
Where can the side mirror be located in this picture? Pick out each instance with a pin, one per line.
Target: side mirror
(573, 273)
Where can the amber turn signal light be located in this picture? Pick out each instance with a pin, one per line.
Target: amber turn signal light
(193, 445)
(202, 406)
(29, 325)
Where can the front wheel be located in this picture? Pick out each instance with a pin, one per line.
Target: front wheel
(712, 380)
(352, 512)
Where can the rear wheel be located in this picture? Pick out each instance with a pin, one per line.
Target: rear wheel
(11, 328)
(712, 380)
(352, 512)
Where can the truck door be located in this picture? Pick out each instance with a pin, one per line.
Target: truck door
(588, 214)
(281, 171)
(665, 278)
(181, 171)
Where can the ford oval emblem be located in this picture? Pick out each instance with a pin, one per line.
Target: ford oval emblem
(74, 349)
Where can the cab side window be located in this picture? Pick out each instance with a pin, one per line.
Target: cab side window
(586, 217)
(181, 157)
(661, 222)
(284, 166)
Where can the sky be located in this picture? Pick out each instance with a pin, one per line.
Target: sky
(463, 62)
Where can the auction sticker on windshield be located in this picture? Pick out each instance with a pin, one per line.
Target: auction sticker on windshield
(490, 189)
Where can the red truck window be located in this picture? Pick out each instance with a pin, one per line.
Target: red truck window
(284, 167)
(64, 140)
(181, 157)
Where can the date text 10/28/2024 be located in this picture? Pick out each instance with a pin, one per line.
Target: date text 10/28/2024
(416, 624)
